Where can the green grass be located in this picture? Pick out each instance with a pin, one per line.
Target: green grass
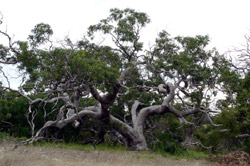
(148, 155)
(192, 154)
(78, 146)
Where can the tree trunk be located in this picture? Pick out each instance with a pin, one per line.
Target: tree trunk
(138, 143)
(134, 136)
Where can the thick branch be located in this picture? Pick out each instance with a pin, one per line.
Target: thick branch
(134, 111)
(93, 112)
(243, 136)
(123, 128)
(145, 112)
(95, 93)
(171, 94)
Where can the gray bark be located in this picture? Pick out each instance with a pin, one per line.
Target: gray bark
(134, 134)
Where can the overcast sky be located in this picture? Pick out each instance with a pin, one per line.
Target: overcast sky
(225, 21)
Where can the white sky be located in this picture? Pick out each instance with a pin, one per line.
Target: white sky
(225, 21)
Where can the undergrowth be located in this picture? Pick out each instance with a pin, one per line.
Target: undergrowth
(6, 136)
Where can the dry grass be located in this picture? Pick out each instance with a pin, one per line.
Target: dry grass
(51, 156)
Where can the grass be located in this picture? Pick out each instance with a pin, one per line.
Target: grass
(59, 154)
(147, 155)
(75, 154)
(194, 154)
(78, 146)
(191, 154)
(188, 155)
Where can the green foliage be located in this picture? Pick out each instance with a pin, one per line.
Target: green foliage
(189, 59)
(234, 118)
(29, 61)
(236, 112)
(13, 110)
(5, 136)
(95, 69)
(124, 27)
(128, 22)
(40, 34)
(168, 133)
(183, 54)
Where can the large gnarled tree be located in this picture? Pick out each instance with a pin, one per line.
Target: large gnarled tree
(176, 76)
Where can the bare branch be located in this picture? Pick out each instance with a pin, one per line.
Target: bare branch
(197, 144)
(11, 47)
(5, 76)
(219, 131)
(8, 123)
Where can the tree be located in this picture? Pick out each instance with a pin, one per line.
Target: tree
(234, 78)
(100, 82)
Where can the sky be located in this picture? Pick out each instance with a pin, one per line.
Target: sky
(225, 21)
